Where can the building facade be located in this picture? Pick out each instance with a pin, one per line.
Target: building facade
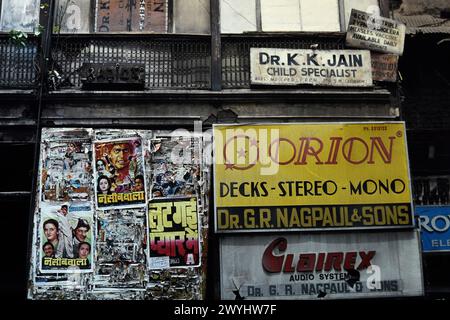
(163, 76)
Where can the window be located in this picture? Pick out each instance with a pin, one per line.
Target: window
(191, 16)
(300, 15)
(238, 16)
(20, 15)
(137, 16)
(369, 6)
(73, 16)
(146, 16)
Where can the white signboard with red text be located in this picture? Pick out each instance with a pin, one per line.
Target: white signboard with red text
(321, 266)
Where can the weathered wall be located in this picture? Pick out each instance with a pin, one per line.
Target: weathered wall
(177, 114)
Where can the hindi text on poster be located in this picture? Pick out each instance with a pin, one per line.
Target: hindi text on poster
(173, 232)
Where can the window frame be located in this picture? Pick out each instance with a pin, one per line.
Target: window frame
(35, 27)
(382, 4)
(169, 25)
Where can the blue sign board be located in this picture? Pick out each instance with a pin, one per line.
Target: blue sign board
(434, 223)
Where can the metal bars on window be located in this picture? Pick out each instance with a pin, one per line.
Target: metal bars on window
(431, 190)
(17, 63)
(236, 53)
(175, 62)
(170, 63)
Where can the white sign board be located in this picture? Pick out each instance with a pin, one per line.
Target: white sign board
(375, 33)
(336, 68)
(321, 266)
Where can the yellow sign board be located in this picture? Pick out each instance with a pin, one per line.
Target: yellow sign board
(311, 176)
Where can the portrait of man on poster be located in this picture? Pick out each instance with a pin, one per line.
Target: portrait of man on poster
(65, 244)
(121, 163)
(121, 181)
(80, 234)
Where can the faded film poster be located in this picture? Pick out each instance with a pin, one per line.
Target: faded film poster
(173, 233)
(119, 173)
(175, 166)
(121, 235)
(121, 249)
(66, 172)
(66, 237)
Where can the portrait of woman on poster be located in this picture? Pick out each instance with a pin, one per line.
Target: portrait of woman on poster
(84, 249)
(101, 167)
(51, 231)
(103, 185)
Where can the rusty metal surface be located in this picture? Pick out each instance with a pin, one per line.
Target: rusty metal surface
(169, 62)
(424, 23)
(384, 67)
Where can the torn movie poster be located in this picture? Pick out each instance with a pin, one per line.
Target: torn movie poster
(121, 235)
(66, 171)
(175, 166)
(119, 174)
(173, 233)
(120, 274)
(66, 237)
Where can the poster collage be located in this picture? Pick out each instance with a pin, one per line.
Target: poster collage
(121, 214)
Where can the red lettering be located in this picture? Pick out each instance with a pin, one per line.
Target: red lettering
(320, 261)
(288, 267)
(366, 257)
(353, 150)
(348, 155)
(229, 163)
(271, 263)
(350, 260)
(277, 152)
(334, 260)
(377, 143)
(306, 262)
(307, 150)
(335, 143)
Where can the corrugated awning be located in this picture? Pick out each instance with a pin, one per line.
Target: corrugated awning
(424, 23)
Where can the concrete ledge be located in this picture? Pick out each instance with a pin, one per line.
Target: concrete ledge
(230, 95)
